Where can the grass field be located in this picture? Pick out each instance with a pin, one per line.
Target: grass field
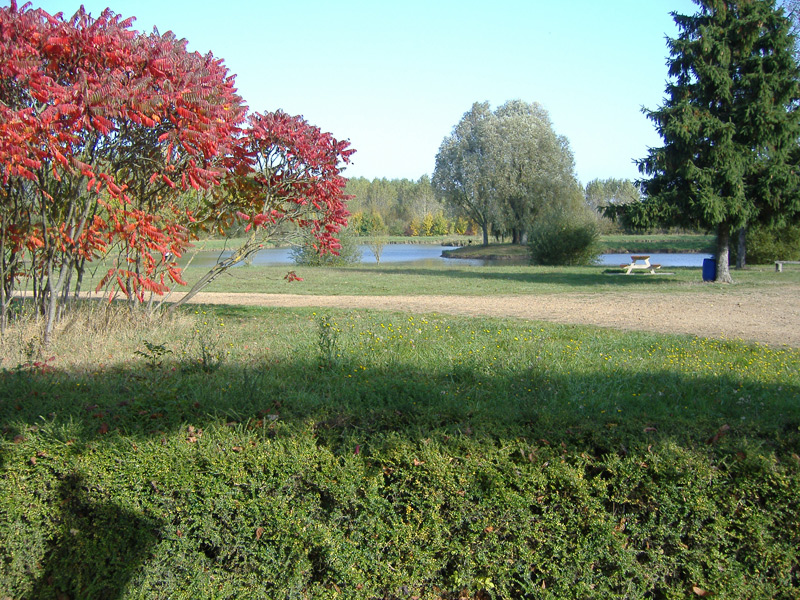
(272, 453)
(396, 279)
(370, 279)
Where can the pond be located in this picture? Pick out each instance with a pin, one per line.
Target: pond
(432, 254)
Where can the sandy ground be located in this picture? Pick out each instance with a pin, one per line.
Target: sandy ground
(767, 316)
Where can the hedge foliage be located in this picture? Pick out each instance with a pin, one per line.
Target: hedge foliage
(768, 244)
(273, 513)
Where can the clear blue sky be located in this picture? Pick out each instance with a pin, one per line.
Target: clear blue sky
(395, 77)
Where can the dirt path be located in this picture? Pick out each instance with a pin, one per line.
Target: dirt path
(768, 316)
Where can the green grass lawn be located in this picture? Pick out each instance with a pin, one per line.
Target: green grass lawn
(272, 453)
(389, 279)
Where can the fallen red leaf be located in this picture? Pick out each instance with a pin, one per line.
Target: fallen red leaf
(259, 533)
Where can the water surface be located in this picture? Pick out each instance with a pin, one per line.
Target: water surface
(432, 254)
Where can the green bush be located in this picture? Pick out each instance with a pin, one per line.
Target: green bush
(245, 513)
(348, 254)
(768, 244)
(557, 239)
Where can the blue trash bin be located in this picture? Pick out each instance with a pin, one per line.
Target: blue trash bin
(709, 269)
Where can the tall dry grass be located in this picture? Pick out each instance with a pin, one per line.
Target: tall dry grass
(92, 332)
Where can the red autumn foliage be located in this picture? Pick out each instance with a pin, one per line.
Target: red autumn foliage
(293, 174)
(111, 143)
(284, 176)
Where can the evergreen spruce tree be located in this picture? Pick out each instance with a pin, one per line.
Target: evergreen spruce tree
(730, 124)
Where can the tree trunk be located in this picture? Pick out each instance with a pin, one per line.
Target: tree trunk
(50, 301)
(485, 228)
(251, 246)
(4, 304)
(741, 249)
(723, 251)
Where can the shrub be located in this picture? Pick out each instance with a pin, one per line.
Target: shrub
(441, 225)
(367, 224)
(427, 225)
(349, 253)
(557, 239)
(461, 226)
(768, 244)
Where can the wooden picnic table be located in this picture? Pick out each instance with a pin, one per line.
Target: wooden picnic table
(640, 261)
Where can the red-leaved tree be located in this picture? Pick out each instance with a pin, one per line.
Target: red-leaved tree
(116, 144)
(103, 130)
(285, 179)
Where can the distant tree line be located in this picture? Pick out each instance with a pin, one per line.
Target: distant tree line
(406, 207)
(401, 207)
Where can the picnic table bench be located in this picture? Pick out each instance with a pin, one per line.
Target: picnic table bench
(779, 264)
(640, 261)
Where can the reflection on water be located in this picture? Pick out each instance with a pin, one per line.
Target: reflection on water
(430, 254)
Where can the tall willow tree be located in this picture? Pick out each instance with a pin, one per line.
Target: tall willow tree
(729, 123)
(532, 166)
(463, 168)
(502, 168)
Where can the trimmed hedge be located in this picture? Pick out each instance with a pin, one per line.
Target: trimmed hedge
(248, 512)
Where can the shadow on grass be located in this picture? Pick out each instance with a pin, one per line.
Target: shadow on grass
(595, 412)
(103, 544)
